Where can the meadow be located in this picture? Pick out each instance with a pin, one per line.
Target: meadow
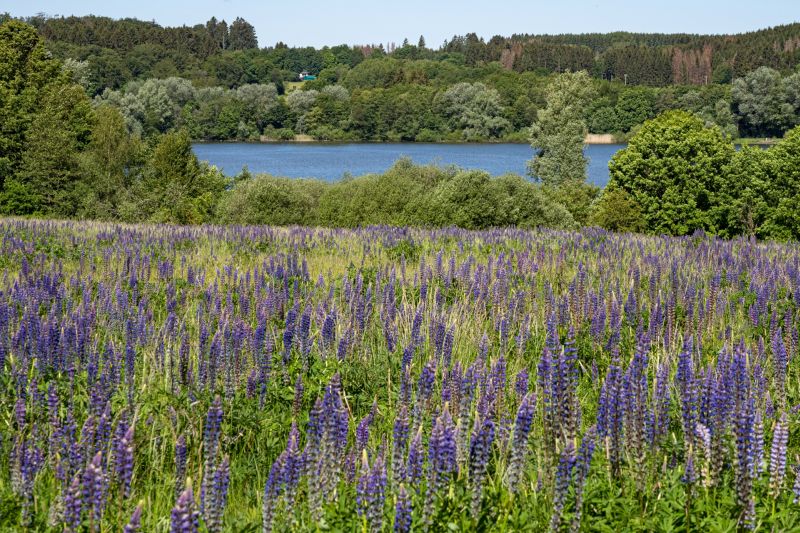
(250, 378)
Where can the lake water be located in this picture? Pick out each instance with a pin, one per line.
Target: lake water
(332, 161)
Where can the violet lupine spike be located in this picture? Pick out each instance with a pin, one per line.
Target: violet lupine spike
(134, 525)
(123, 461)
(441, 461)
(211, 443)
(73, 504)
(745, 462)
(180, 465)
(519, 444)
(416, 459)
(184, 518)
(685, 378)
(563, 478)
(94, 486)
(217, 498)
(298, 396)
(480, 452)
(371, 491)
(777, 456)
(272, 490)
(292, 468)
(402, 511)
(400, 432)
(583, 464)
(521, 383)
(796, 486)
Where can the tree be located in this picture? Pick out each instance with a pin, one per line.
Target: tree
(558, 134)
(475, 109)
(175, 187)
(109, 165)
(25, 71)
(421, 42)
(634, 106)
(782, 221)
(616, 210)
(766, 104)
(242, 35)
(50, 166)
(674, 169)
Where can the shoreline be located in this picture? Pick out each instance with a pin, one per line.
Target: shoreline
(315, 141)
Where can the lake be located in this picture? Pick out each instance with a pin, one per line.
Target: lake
(331, 162)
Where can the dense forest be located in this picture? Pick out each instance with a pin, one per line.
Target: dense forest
(122, 50)
(214, 81)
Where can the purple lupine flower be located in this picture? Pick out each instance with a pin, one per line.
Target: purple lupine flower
(583, 464)
(758, 443)
(566, 462)
(135, 523)
(402, 511)
(292, 466)
(441, 460)
(217, 497)
(519, 445)
(371, 491)
(479, 453)
(73, 504)
(400, 444)
(416, 458)
(94, 485)
(180, 465)
(780, 361)
(447, 347)
(521, 383)
(745, 461)
(298, 396)
(408, 356)
(796, 486)
(688, 392)
(211, 442)
(184, 518)
(442, 450)
(123, 461)
(272, 490)
(777, 456)
(31, 460)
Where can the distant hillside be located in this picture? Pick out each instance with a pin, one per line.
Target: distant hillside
(121, 50)
(645, 58)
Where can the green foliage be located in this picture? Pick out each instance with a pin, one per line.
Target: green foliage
(110, 164)
(270, 200)
(175, 187)
(673, 169)
(616, 210)
(559, 131)
(473, 109)
(782, 164)
(405, 195)
(767, 103)
(50, 166)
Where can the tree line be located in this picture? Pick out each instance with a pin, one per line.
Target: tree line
(119, 51)
(418, 100)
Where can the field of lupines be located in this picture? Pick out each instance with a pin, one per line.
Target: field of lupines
(159, 378)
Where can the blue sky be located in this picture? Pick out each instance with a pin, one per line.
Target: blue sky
(317, 23)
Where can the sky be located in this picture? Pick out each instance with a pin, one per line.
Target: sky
(331, 22)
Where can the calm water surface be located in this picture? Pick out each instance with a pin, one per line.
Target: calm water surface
(332, 161)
